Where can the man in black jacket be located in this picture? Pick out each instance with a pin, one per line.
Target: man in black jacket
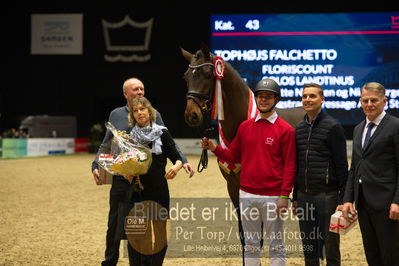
(321, 177)
(373, 182)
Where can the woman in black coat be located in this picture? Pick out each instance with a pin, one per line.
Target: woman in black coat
(149, 247)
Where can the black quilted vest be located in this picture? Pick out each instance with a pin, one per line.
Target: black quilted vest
(315, 172)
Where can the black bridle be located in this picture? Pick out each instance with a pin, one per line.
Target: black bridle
(204, 102)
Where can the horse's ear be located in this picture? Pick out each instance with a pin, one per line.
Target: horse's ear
(186, 54)
(205, 50)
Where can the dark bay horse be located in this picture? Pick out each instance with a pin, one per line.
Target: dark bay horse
(236, 98)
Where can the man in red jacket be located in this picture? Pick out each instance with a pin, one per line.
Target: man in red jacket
(265, 147)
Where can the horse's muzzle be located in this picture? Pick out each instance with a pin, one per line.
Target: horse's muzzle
(193, 119)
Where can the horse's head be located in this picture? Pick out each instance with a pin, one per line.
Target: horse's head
(200, 83)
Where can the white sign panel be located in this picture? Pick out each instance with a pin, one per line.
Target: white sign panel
(191, 146)
(57, 34)
(48, 146)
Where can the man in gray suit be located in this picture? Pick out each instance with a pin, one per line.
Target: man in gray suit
(373, 182)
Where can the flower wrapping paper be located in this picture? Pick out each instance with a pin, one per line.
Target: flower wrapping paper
(126, 157)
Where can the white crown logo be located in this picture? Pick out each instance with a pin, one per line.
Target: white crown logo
(142, 47)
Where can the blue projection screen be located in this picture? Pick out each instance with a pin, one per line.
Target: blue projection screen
(339, 51)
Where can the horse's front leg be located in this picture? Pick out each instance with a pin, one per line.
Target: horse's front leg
(233, 186)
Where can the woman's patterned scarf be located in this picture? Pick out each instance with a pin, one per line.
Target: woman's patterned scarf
(149, 134)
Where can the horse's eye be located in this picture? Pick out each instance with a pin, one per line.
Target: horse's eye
(209, 74)
(186, 74)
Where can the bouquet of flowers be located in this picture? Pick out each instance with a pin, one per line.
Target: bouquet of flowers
(126, 157)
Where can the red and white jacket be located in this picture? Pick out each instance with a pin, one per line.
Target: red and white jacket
(267, 152)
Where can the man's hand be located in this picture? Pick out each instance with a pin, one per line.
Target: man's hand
(339, 208)
(348, 211)
(282, 205)
(394, 212)
(129, 178)
(189, 169)
(96, 176)
(207, 144)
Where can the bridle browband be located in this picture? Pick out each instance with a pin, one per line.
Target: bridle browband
(201, 65)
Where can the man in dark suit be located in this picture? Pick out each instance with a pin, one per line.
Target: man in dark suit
(373, 182)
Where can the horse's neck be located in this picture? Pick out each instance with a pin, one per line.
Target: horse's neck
(235, 102)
